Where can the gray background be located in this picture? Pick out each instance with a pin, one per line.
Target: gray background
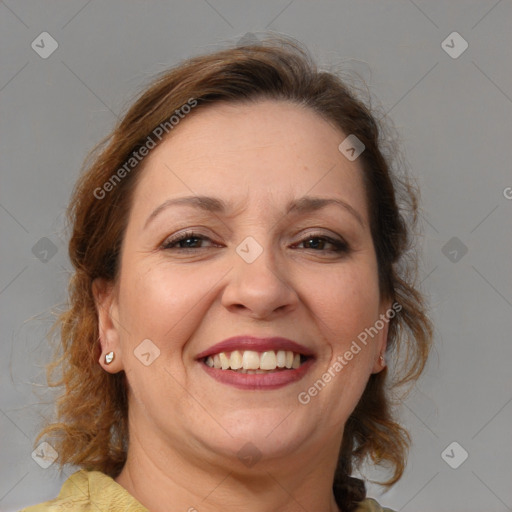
(454, 118)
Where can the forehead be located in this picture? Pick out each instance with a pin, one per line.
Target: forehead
(271, 150)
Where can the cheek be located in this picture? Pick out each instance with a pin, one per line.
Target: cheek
(347, 301)
(161, 303)
(351, 306)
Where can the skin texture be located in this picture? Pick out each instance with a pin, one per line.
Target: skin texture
(185, 427)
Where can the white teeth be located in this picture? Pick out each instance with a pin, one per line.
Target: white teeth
(224, 361)
(268, 361)
(250, 361)
(281, 359)
(235, 361)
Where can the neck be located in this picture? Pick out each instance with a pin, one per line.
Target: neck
(164, 479)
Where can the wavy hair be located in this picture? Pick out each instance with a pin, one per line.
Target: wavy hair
(91, 427)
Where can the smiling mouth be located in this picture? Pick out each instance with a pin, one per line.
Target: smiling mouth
(252, 362)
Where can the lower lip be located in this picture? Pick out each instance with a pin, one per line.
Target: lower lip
(262, 381)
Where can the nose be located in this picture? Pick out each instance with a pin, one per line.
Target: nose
(261, 288)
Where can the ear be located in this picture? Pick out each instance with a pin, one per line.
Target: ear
(105, 299)
(386, 312)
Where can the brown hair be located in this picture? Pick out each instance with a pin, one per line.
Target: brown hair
(91, 430)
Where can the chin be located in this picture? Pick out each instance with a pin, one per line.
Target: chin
(274, 432)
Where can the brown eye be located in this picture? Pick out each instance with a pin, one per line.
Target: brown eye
(184, 241)
(318, 243)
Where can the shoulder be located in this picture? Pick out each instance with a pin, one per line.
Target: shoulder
(371, 505)
(90, 491)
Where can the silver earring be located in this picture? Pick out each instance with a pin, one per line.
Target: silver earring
(109, 357)
(382, 360)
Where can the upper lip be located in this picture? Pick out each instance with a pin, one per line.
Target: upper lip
(247, 342)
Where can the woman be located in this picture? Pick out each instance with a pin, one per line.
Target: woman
(239, 287)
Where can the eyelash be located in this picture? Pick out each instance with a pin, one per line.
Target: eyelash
(340, 246)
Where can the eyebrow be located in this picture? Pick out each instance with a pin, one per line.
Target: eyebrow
(306, 204)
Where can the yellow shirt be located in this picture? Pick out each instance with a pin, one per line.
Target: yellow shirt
(93, 491)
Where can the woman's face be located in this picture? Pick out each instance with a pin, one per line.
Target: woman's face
(255, 267)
